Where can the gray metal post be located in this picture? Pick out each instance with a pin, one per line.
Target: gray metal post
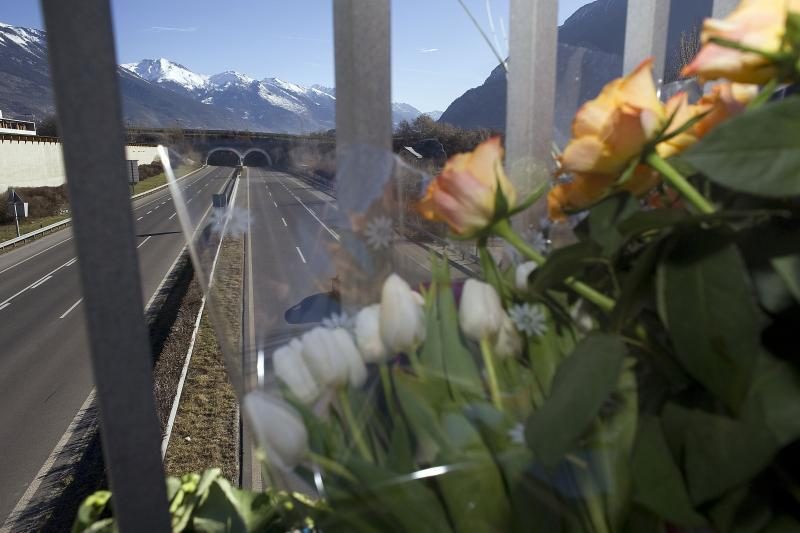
(646, 34)
(84, 72)
(723, 8)
(531, 97)
(16, 219)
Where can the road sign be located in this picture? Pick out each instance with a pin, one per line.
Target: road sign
(133, 171)
(219, 200)
(17, 208)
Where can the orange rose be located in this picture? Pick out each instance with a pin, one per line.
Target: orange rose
(608, 133)
(725, 101)
(464, 194)
(757, 24)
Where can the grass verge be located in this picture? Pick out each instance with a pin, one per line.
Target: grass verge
(206, 429)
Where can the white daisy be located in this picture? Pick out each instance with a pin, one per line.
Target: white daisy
(379, 233)
(517, 434)
(529, 319)
(338, 320)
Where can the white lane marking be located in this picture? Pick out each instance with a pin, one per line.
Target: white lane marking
(156, 207)
(68, 311)
(172, 215)
(284, 222)
(148, 212)
(313, 214)
(144, 241)
(276, 203)
(37, 283)
(301, 254)
(138, 219)
(41, 282)
(35, 255)
(189, 200)
(3, 306)
(260, 368)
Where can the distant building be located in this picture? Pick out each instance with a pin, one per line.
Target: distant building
(16, 127)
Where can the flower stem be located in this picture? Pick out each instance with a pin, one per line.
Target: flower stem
(386, 383)
(503, 229)
(331, 466)
(488, 362)
(680, 183)
(355, 430)
(416, 365)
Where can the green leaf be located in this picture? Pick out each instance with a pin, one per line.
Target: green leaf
(563, 263)
(582, 384)
(473, 488)
(658, 483)
(649, 221)
(756, 153)
(740, 511)
(444, 352)
(719, 453)
(604, 218)
(788, 268)
(90, 512)
(774, 399)
(405, 502)
(705, 300)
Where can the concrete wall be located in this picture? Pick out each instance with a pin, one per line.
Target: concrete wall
(30, 163)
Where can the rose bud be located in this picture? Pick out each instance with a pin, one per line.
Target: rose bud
(464, 195)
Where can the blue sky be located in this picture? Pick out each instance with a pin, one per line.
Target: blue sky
(437, 53)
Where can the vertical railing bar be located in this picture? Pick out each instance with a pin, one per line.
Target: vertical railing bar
(363, 74)
(84, 73)
(646, 30)
(533, 48)
(723, 8)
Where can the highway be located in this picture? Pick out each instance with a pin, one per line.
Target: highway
(45, 372)
(291, 229)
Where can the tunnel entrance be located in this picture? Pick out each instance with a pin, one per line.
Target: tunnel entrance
(224, 157)
(257, 158)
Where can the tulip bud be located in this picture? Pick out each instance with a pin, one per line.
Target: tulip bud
(347, 353)
(509, 341)
(523, 273)
(402, 320)
(368, 335)
(481, 313)
(333, 358)
(291, 369)
(321, 358)
(278, 428)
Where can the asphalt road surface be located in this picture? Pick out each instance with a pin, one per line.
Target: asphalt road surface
(291, 227)
(45, 372)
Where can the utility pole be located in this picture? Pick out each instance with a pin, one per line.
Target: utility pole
(16, 220)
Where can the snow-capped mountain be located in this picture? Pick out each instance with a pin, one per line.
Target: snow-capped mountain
(269, 103)
(163, 93)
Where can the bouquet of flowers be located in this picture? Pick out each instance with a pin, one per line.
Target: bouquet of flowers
(640, 378)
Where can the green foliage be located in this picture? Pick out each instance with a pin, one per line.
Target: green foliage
(756, 153)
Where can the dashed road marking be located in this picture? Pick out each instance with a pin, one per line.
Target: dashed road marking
(138, 219)
(144, 241)
(301, 254)
(284, 222)
(68, 311)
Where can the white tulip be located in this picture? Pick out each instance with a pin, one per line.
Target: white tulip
(291, 369)
(481, 313)
(368, 335)
(278, 428)
(333, 358)
(320, 356)
(347, 353)
(509, 342)
(402, 319)
(523, 272)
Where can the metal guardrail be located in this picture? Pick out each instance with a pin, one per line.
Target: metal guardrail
(68, 221)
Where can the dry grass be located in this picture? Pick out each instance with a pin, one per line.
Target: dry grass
(206, 430)
(160, 179)
(27, 225)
